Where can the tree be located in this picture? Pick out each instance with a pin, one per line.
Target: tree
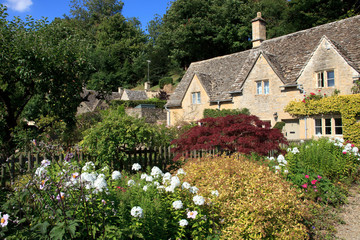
(43, 61)
(234, 133)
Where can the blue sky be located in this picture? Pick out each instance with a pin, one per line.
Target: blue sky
(144, 10)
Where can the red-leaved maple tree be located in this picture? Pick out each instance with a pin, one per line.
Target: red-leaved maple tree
(238, 133)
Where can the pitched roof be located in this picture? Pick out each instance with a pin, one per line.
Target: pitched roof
(287, 55)
(136, 94)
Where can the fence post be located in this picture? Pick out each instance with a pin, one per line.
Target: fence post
(12, 169)
(2, 175)
(29, 162)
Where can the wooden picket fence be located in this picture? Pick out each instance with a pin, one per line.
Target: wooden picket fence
(24, 163)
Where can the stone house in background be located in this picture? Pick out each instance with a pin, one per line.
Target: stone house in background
(274, 72)
(94, 102)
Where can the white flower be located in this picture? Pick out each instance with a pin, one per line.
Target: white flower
(4, 219)
(193, 190)
(143, 176)
(40, 171)
(183, 222)
(136, 167)
(100, 183)
(199, 200)
(175, 181)
(295, 150)
(149, 179)
(166, 177)
(131, 183)
(88, 177)
(355, 150)
(186, 185)
(286, 171)
(181, 172)
(45, 163)
(288, 150)
(277, 167)
(156, 184)
(137, 212)
(177, 204)
(215, 193)
(271, 158)
(89, 166)
(170, 188)
(116, 175)
(156, 172)
(145, 188)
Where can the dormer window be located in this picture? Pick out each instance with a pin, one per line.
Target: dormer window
(262, 87)
(195, 96)
(325, 79)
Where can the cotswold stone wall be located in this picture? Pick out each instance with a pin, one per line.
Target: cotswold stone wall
(151, 115)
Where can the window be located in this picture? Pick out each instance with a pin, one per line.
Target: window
(338, 126)
(325, 79)
(266, 87)
(196, 98)
(258, 87)
(262, 87)
(318, 127)
(328, 126)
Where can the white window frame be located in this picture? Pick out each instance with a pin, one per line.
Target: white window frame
(323, 79)
(196, 98)
(262, 87)
(328, 126)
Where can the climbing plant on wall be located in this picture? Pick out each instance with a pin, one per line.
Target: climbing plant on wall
(347, 105)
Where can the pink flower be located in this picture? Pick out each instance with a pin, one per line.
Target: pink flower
(313, 181)
(192, 214)
(344, 152)
(306, 176)
(319, 177)
(315, 190)
(304, 186)
(4, 220)
(312, 93)
(60, 196)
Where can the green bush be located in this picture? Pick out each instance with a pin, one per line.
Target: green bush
(164, 81)
(279, 125)
(254, 202)
(334, 159)
(224, 112)
(108, 140)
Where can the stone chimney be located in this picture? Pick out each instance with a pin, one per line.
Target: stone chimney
(258, 30)
(147, 86)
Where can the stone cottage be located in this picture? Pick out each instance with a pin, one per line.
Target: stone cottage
(274, 72)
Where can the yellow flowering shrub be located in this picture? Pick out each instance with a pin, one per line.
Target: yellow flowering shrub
(347, 105)
(255, 203)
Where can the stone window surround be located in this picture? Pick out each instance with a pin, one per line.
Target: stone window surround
(325, 79)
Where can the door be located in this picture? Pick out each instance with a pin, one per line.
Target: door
(291, 129)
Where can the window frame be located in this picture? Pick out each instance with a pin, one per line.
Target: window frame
(328, 126)
(195, 98)
(323, 79)
(262, 87)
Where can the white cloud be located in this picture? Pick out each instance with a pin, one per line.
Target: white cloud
(19, 5)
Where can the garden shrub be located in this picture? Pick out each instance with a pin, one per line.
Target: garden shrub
(224, 112)
(164, 81)
(72, 200)
(254, 202)
(324, 169)
(108, 140)
(234, 133)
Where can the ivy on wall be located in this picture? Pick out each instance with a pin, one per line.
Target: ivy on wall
(346, 105)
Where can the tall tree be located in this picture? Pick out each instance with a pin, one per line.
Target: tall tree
(42, 61)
